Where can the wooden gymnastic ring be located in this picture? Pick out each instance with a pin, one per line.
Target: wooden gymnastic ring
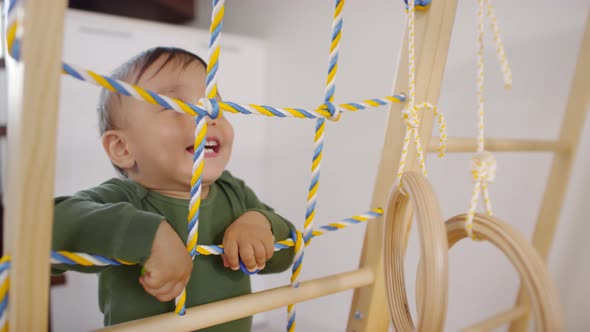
(433, 247)
(543, 295)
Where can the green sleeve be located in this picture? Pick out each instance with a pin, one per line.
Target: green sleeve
(103, 221)
(281, 229)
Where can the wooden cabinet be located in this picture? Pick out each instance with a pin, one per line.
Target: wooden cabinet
(168, 11)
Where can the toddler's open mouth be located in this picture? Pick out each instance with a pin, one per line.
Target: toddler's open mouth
(212, 147)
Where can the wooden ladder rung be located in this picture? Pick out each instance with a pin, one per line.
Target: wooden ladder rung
(246, 305)
(457, 144)
(497, 320)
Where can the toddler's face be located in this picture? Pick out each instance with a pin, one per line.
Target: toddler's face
(161, 140)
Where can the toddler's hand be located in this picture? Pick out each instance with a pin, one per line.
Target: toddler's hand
(169, 267)
(249, 238)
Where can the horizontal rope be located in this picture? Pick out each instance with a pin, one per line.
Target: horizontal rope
(71, 258)
(326, 111)
(318, 231)
(134, 91)
(323, 111)
(83, 259)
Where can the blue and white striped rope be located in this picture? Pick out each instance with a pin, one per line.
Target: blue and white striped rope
(84, 259)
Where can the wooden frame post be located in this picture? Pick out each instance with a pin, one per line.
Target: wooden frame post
(34, 86)
(559, 176)
(368, 312)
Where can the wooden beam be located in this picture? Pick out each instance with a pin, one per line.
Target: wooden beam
(559, 176)
(246, 305)
(368, 312)
(497, 320)
(457, 144)
(34, 86)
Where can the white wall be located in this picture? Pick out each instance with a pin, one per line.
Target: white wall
(101, 43)
(542, 39)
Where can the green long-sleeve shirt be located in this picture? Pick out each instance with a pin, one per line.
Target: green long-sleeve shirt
(119, 218)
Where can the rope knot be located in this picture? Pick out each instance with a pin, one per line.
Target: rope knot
(211, 105)
(483, 167)
(410, 116)
(334, 111)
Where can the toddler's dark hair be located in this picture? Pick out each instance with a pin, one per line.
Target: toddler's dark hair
(131, 72)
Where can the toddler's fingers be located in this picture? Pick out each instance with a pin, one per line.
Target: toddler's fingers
(230, 248)
(224, 259)
(178, 288)
(247, 256)
(165, 293)
(269, 246)
(152, 280)
(150, 290)
(259, 254)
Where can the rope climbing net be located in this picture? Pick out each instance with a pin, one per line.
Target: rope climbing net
(209, 106)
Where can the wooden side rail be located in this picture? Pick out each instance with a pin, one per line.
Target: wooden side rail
(33, 103)
(561, 167)
(227, 310)
(460, 144)
(433, 37)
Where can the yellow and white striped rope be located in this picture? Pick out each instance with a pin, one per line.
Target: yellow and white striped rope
(500, 52)
(410, 111)
(483, 163)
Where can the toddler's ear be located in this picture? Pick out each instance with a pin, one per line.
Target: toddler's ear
(115, 145)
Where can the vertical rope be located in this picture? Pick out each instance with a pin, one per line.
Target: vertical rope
(480, 77)
(318, 146)
(483, 164)
(200, 138)
(500, 52)
(477, 165)
(320, 123)
(4, 285)
(10, 31)
(411, 54)
(195, 201)
(291, 313)
(214, 48)
(410, 112)
(13, 28)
